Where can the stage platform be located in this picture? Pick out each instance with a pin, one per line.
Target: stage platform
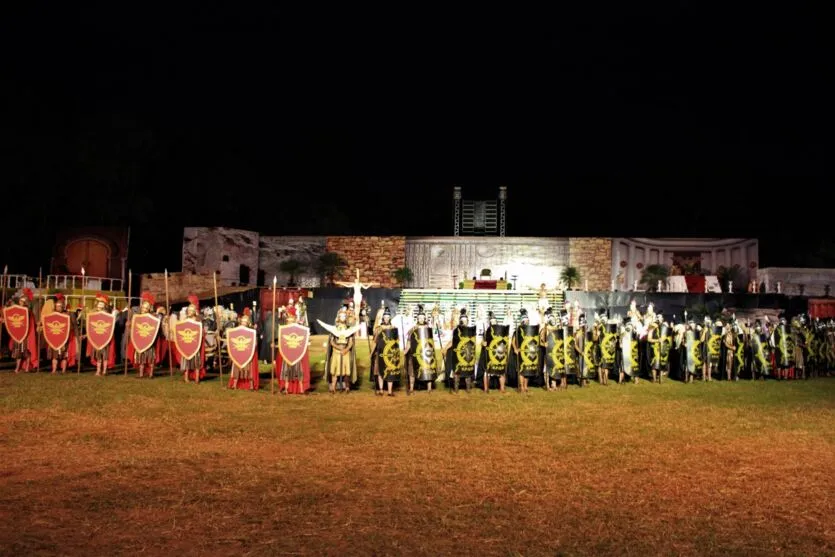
(497, 301)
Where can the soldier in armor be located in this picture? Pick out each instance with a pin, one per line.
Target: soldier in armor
(386, 358)
(729, 345)
(571, 361)
(341, 359)
(421, 362)
(783, 348)
(659, 343)
(67, 353)
(691, 350)
(301, 313)
(364, 320)
(608, 349)
(147, 359)
(25, 354)
(591, 348)
(628, 353)
(494, 353)
(552, 339)
(711, 338)
(105, 357)
(760, 352)
(460, 353)
(579, 351)
(525, 348)
(292, 377)
(194, 367)
(799, 346)
(249, 374)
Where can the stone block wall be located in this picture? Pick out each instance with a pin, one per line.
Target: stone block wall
(274, 250)
(376, 257)
(593, 258)
(797, 281)
(180, 285)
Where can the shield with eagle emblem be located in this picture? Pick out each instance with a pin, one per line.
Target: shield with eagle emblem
(100, 327)
(143, 331)
(188, 337)
(292, 342)
(56, 329)
(17, 322)
(241, 344)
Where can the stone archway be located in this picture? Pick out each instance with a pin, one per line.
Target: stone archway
(92, 254)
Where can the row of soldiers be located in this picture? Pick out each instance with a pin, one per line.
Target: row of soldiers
(561, 350)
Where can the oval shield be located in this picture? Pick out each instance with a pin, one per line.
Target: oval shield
(292, 342)
(392, 357)
(56, 329)
(465, 351)
(241, 344)
(188, 337)
(100, 327)
(17, 322)
(529, 350)
(497, 349)
(143, 331)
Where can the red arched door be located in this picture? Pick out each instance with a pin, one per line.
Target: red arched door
(91, 254)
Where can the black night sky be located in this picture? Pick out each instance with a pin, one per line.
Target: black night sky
(677, 121)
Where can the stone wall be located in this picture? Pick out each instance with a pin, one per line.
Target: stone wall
(180, 285)
(593, 259)
(274, 250)
(812, 282)
(376, 257)
(228, 250)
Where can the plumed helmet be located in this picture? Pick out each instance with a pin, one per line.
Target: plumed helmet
(194, 301)
(386, 311)
(549, 311)
(421, 311)
(523, 313)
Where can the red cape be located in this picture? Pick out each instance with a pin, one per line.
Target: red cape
(111, 354)
(293, 388)
(244, 383)
(159, 349)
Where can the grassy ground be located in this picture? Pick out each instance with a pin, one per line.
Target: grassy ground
(121, 465)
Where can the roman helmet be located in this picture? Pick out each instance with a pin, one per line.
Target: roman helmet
(550, 318)
(581, 320)
(421, 315)
(147, 302)
(523, 316)
(292, 314)
(26, 297)
(60, 304)
(101, 301)
(491, 317)
(246, 318)
(386, 315)
(341, 315)
(463, 318)
(193, 306)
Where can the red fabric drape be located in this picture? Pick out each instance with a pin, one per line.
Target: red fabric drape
(282, 297)
(244, 383)
(695, 283)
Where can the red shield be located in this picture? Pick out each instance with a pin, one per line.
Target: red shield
(143, 331)
(100, 327)
(292, 342)
(56, 329)
(17, 322)
(241, 344)
(188, 338)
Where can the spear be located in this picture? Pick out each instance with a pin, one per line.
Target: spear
(219, 342)
(83, 313)
(5, 273)
(130, 317)
(40, 313)
(272, 340)
(170, 331)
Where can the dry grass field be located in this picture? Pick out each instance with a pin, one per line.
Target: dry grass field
(119, 465)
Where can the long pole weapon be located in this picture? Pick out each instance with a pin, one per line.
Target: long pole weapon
(40, 314)
(219, 341)
(130, 318)
(5, 274)
(81, 316)
(171, 333)
(272, 340)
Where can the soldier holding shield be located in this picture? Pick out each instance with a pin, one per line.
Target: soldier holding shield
(552, 339)
(59, 334)
(100, 325)
(386, 358)
(460, 354)
(421, 363)
(144, 349)
(525, 346)
(241, 342)
(20, 324)
(190, 348)
(494, 352)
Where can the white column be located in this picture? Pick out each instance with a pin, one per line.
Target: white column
(630, 274)
(661, 256)
(616, 264)
(713, 261)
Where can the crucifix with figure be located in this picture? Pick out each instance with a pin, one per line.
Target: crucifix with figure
(358, 288)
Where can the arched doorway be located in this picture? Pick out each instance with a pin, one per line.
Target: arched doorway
(93, 255)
